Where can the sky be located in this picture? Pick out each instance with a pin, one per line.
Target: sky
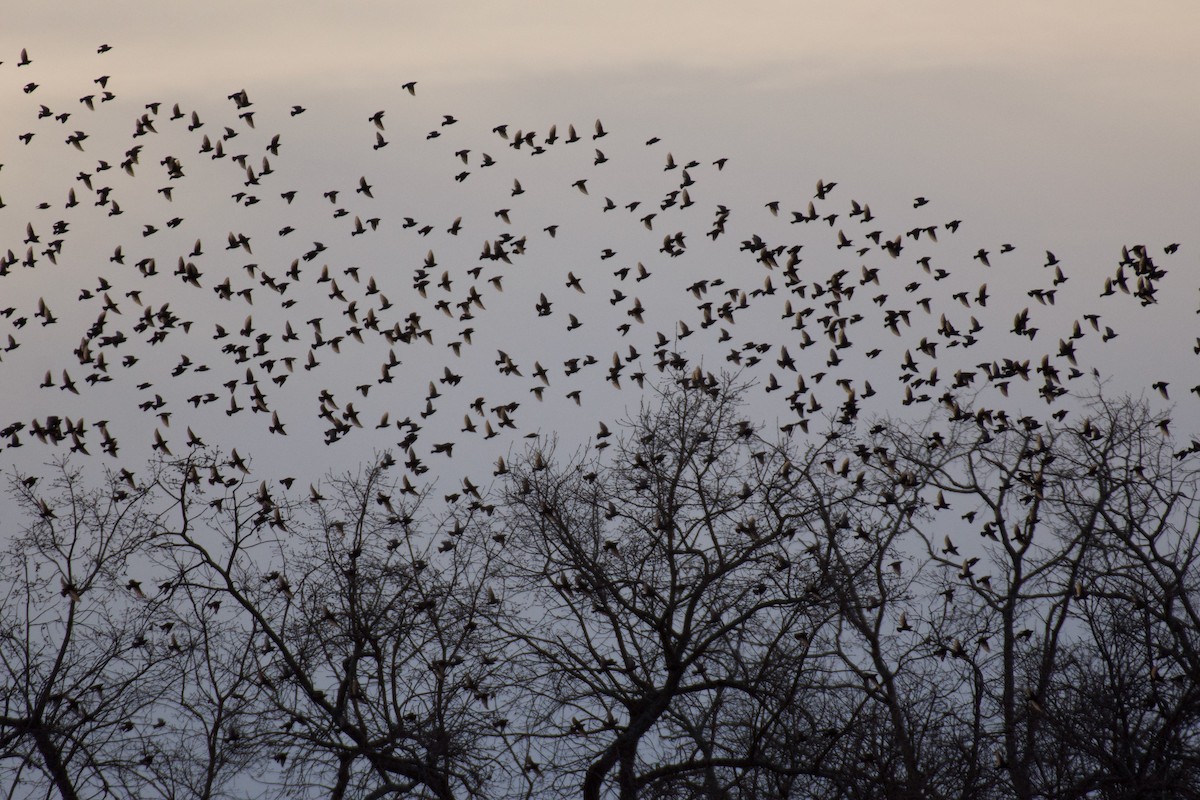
(1066, 126)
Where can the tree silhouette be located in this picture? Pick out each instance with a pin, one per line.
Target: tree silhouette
(975, 606)
(662, 586)
(80, 647)
(371, 671)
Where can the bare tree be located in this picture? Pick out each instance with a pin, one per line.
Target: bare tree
(1122, 705)
(80, 671)
(969, 606)
(886, 689)
(360, 634)
(663, 590)
(1072, 525)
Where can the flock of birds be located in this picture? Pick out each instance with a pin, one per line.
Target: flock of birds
(377, 316)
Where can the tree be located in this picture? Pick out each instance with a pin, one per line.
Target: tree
(660, 594)
(974, 605)
(358, 631)
(80, 669)
(1077, 590)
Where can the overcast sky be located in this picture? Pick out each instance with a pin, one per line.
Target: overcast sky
(1069, 126)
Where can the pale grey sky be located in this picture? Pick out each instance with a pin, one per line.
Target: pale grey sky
(1068, 126)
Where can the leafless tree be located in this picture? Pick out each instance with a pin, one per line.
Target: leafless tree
(665, 590)
(972, 605)
(1044, 539)
(359, 632)
(1122, 704)
(80, 669)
